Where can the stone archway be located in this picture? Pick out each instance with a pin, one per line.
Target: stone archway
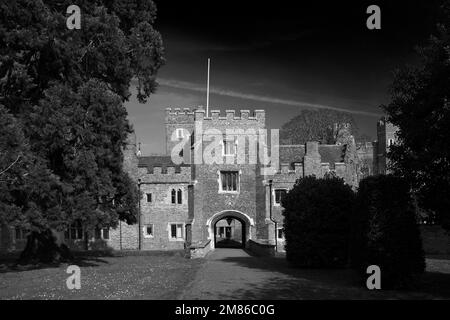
(230, 232)
(246, 221)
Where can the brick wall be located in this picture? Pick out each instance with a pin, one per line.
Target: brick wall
(178, 118)
(199, 183)
(208, 200)
(124, 237)
(161, 212)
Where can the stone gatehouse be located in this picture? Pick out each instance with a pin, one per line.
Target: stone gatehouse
(191, 204)
(182, 204)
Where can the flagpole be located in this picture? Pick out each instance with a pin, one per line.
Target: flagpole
(207, 91)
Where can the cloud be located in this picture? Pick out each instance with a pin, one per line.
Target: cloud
(235, 94)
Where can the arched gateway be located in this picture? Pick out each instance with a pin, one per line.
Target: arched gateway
(246, 222)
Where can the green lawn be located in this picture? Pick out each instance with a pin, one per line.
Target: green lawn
(156, 275)
(150, 276)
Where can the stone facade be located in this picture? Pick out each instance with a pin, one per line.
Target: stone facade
(11, 240)
(386, 136)
(204, 203)
(183, 200)
(372, 157)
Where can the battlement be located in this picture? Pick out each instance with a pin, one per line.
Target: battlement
(288, 169)
(179, 115)
(185, 115)
(169, 170)
(179, 111)
(165, 170)
(164, 174)
(215, 115)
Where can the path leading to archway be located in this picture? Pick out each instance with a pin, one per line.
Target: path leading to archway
(234, 274)
(223, 274)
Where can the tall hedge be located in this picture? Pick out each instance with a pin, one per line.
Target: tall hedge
(385, 232)
(316, 222)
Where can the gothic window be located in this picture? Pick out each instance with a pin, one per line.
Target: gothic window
(174, 196)
(390, 142)
(148, 231)
(179, 196)
(229, 181)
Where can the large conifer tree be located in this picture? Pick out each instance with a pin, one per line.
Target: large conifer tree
(63, 122)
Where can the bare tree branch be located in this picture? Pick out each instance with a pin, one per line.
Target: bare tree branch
(9, 167)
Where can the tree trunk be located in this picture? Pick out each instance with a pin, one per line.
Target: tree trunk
(42, 247)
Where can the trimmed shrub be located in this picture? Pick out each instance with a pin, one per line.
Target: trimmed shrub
(317, 222)
(385, 232)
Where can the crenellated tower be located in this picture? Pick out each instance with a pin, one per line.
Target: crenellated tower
(386, 134)
(179, 125)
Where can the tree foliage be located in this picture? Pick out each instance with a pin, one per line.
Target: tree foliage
(317, 222)
(385, 231)
(420, 108)
(317, 125)
(62, 93)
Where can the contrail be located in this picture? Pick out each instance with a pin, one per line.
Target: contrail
(195, 87)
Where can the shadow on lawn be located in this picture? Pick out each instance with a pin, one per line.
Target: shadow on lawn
(91, 258)
(10, 264)
(297, 283)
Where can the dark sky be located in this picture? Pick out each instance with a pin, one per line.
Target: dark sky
(280, 57)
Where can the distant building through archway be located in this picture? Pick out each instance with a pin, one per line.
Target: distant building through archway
(236, 223)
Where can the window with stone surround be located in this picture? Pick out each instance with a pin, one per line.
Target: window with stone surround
(229, 147)
(179, 196)
(102, 233)
(149, 197)
(180, 133)
(174, 195)
(20, 234)
(75, 231)
(176, 231)
(279, 195)
(229, 181)
(280, 233)
(148, 230)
